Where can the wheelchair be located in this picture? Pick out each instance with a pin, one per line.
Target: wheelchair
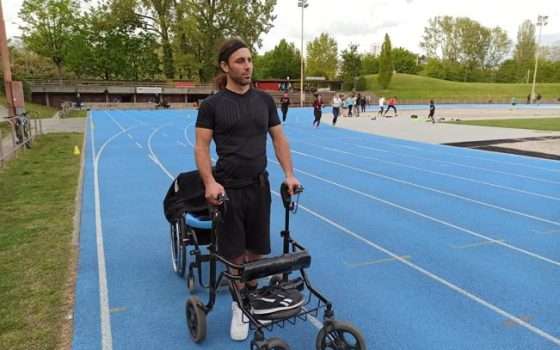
(194, 225)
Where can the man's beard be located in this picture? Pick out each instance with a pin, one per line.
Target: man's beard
(241, 81)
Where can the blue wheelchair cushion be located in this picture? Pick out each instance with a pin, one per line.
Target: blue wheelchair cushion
(203, 223)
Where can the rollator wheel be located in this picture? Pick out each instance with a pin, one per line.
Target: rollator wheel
(275, 343)
(178, 250)
(196, 319)
(339, 335)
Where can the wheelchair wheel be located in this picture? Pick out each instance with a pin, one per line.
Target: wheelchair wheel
(178, 250)
(196, 319)
(275, 344)
(339, 335)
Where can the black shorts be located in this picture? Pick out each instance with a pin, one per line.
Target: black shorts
(246, 223)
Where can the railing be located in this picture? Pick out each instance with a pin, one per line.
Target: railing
(163, 84)
(6, 153)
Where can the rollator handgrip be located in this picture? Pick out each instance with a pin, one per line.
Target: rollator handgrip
(286, 197)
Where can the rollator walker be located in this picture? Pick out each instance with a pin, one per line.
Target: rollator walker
(194, 226)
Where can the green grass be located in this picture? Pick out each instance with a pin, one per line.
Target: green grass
(548, 124)
(37, 192)
(36, 111)
(76, 114)
(416, 87)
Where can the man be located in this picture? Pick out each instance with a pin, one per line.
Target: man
(239, 118)
(284, 103)
(381, 106)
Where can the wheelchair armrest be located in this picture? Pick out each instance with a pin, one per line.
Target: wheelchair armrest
(275, 265)
(199, 222)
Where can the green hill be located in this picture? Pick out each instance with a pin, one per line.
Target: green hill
(420, 88)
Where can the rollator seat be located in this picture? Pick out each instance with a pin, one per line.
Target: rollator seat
(275, 265)
(199, 222)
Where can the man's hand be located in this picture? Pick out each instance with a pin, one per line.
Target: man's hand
(292, 183)
(213, 190)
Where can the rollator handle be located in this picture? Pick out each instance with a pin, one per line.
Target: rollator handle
(287, 198)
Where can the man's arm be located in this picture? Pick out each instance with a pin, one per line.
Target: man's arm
(282, 151)
(204, 165)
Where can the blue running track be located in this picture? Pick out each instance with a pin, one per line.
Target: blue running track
(420, 246)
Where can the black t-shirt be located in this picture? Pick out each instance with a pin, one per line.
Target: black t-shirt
(240, 124)
(285, 102)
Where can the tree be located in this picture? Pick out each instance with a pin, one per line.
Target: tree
(350, 66)
(404, 61)
(370, 64)
(280, 62)
(385, 64)
(156, 16)
(525, 49)
(48, 26)
(499, 47)
(322, 55)
(203, 25)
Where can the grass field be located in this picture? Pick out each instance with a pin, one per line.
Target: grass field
(549, 124)
(416, 87)
(35, 110)
(37, 193)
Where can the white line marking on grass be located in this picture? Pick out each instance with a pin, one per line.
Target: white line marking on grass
(511, 211)
(432, 171)
(428, 217)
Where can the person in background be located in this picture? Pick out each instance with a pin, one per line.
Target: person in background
(392, 104)
(284, 103)
(432, 113)
(317, 110)
(336, 103)
(380, 113)
(357, 103)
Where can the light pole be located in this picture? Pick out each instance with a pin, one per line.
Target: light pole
(541, 22)
(303, 4)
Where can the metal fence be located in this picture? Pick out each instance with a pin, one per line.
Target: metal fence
(11, 144)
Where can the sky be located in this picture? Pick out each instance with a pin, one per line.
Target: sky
(365, 22)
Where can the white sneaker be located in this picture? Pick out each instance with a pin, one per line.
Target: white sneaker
(238, 330)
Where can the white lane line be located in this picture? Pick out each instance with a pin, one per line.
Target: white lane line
(139, 145)
(428, 217)
(185, 133)
(106, 335)
(477, 244)
(448, 284)
(547, 232)
(432, 171)
(130, 136)
(488, 205)
(376, 262)
(370, 148)
(479, 168)
(318, 324)
(152, 155)
(181, 144)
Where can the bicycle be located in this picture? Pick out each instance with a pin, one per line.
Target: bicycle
(22, 127)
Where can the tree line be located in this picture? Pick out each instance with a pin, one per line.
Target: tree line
(178, 39)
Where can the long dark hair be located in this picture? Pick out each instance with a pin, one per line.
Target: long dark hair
(226, 50)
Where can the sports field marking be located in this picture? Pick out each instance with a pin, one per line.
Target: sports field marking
(376, 262)
(130, 136)
(371, 173)
(477, 244)
(106, 335)
(370, 148)
(432, 171)
(181, 144)
(472, 167)
(431, 218)
(153, 156)
(547, 232)
(479, 300)
(139, 145)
